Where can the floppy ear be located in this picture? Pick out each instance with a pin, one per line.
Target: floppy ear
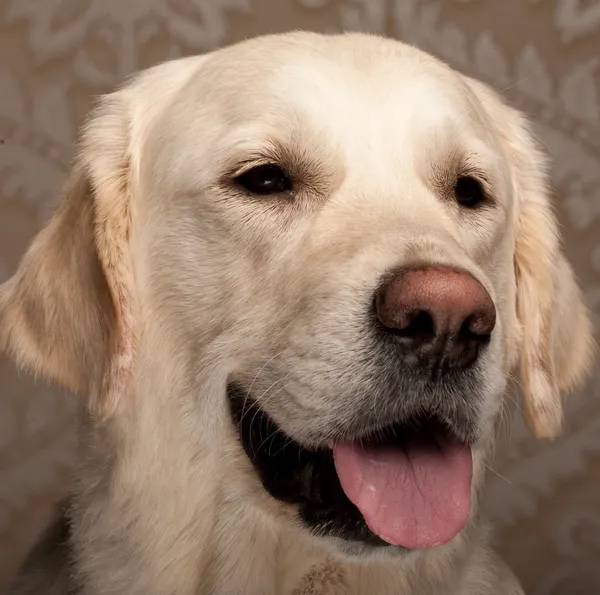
(555, 336)
(68, 312)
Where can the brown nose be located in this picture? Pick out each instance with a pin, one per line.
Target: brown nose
(441, 316)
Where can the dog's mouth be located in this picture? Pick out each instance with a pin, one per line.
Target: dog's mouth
(406, 484)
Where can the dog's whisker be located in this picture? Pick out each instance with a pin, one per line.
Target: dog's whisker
(265, 400)
(262, 399)
(249, 391)
(287, 441)
(507, 395)
(497, 473)
(272, 438)
(271, 435)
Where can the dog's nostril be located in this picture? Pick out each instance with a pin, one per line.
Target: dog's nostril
(479, 326)
(419, 325)
(473, 332)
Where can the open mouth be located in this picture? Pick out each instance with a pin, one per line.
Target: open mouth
(407, 484)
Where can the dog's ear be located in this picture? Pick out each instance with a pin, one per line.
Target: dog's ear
(554, 335)
(68, 312)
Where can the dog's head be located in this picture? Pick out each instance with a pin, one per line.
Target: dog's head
(352, 240)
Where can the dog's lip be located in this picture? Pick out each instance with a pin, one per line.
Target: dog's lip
(437, 429)
(369, 432)
(440, 429)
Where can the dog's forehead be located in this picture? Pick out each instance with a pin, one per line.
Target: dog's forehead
(348, 83)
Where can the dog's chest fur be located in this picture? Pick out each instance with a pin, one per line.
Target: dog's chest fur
(283, 566)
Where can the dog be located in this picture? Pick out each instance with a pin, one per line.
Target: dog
(291, 280)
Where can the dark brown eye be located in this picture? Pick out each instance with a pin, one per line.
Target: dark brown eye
(264, 180)
(468, 191)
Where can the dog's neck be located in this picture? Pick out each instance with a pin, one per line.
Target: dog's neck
(169, 498)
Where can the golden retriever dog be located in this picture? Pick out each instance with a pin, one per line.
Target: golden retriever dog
(290, 280)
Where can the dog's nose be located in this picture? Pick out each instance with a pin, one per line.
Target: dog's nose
(440, 315)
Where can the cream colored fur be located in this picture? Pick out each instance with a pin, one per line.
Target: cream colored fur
(155, 283)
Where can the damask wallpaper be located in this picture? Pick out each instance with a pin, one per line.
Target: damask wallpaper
(56, 55)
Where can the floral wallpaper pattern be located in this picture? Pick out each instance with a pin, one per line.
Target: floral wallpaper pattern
(57, 55)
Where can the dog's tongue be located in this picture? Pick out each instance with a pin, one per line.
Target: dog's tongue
(416, 496)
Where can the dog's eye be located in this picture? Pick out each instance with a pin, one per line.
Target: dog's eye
(468, 191)
(265, 179)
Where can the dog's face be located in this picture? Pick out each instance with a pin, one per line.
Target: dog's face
(355, 240)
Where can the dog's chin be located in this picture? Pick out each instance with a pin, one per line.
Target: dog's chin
(308, 478)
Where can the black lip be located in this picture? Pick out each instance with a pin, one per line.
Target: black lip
(296, 475)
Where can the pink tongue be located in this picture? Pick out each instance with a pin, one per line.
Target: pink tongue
(416, 497)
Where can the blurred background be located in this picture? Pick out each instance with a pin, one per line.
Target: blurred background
(57, 55)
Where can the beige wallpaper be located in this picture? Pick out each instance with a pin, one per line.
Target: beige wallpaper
(55, 55)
